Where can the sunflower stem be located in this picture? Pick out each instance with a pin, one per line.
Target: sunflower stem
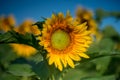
(25, 78)
(52, 77)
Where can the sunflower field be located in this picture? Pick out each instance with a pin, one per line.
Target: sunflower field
(60, 47)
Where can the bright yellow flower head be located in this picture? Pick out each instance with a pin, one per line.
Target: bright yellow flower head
(65, 40)
(83, 15)
(7, 23)
(22, 49)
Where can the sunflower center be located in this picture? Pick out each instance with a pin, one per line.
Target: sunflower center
(60, 39)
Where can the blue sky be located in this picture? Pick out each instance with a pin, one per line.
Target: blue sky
(35, 9)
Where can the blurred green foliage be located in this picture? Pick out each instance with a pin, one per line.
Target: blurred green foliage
(104, 63)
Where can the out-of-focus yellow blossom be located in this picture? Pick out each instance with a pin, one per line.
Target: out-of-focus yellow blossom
(84, 15)
(22, 49)
(28, 27)
(7, 23)
(117, 46)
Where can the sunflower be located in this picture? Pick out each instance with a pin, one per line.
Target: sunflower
(22, 49)
(64, 40)
(84, 15)
(7, 23)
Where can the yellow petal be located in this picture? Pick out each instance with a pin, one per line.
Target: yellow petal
(51, 60)
(81, 27)
(70, 62)
(83, 55)
(53, 16)
(59, 64)
(74, 57)
(61, 15)
(63, 60)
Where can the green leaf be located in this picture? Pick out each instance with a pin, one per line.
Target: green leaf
(102, 64)
(40, 24)
(78, 74)
(7, 37)
(106, 44)
(109, 31)
(81, 74)
(21, 70)
(36, 58)
(101, 14)
(6, 76)
(6, 55)
(116, 14)
(14, 37)
(42, 70)
(110, 77)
